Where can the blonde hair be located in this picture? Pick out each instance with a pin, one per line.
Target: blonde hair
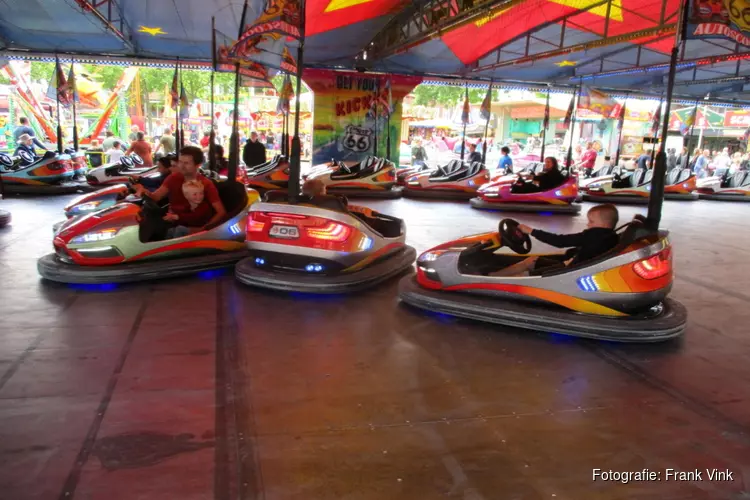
(195, 186)
(313, 187)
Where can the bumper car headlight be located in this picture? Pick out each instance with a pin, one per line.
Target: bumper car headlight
(430, 256)
(103, 235)
(85, 207)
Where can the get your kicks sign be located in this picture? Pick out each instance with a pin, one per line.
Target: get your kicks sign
(345, 124)
(728, 19)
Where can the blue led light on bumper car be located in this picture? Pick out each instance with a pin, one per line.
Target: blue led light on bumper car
(259, 261)
(235, 228)
(587, 284)
(314, 268)
(106, 234)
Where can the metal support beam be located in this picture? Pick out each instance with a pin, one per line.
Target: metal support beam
(656, 31)
(425, 20)
(109, 13)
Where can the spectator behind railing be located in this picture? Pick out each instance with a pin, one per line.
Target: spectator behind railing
(95, 154)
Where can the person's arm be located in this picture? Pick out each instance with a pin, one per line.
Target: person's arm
(39, 144)
(129, 150)
(212, 195)
(158, 147)
(559, 240)
(246, 153)
(157, 195)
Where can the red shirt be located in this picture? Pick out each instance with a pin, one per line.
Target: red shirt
(143, 149)
(589, 158)
(179, 205)
(204, 141)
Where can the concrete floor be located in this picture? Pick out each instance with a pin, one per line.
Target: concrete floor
(201, 388)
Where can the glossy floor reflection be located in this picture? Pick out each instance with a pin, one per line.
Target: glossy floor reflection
(201, 388)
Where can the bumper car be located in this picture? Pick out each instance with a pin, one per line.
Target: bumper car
(371, 178)
(726, 187)
(620, 296)
(456, 180)
(507, 194)
(270, 175)
(604, 173)
(404, 173)
(111, 246)
(48, 174)
(680, 184)
(627, 187)
(4, 218)
(321, 246)
(117, 173)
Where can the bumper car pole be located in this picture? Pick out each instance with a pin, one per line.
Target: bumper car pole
(656, 198)
(294, 159)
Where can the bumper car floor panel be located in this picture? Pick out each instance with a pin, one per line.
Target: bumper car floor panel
(50, 267)
(389, 194)
(481, 204)
(248, 273)
(669, 324)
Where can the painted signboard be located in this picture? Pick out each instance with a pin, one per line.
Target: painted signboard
(350, 119)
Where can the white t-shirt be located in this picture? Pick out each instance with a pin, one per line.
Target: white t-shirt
(115, 155)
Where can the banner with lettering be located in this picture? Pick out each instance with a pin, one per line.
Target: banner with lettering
(342, 129)
(727, 19)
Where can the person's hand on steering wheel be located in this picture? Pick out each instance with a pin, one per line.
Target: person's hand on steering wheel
(139, 189)
(525, 229)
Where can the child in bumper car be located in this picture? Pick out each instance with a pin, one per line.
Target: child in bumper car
(598, 238)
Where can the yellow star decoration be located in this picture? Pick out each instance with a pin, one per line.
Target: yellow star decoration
(343, 4)
(562, 64)
(615, 12)
(151, 31)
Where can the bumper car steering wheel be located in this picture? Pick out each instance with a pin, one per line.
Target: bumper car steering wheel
(512, 237)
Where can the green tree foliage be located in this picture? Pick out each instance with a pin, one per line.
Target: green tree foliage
(431, 95)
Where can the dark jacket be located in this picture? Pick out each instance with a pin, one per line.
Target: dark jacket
(254, 153)
(475, 156)
(588, 244)
(550, 179)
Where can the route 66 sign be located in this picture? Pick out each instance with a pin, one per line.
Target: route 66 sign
(357, 139)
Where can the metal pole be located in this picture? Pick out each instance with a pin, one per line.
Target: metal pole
(234, 143)
(177, 107)
(388, 130)
(656, 198)
(487, 126)
(656, 135)
(690, 134)
(463, 133)
(377, 96)
(75, 123)
(57, 96)
(545, 125)
(212, 134)
(294, 163)
(619, 136)
(569, 156)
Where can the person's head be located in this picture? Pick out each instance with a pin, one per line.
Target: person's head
(174, 163)
(139, 136)
(94, 143)
(116, 145)
(589, 145)
(605, 216)
(191, 159)
(109, 133)
(26, 140)
(684, 151)
(578, 148)
(193, 191)
(505, 150)
(219, 151)
(313, 187)
(163, 164)
(167, 131)
(472, 147)
(135, 129)
(706, 153)
(550, 163)
(207, 133)
(725, 151)
(254, 136)
(23, 120)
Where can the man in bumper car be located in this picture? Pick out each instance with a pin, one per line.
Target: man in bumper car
(598, 238)
(194, 203)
